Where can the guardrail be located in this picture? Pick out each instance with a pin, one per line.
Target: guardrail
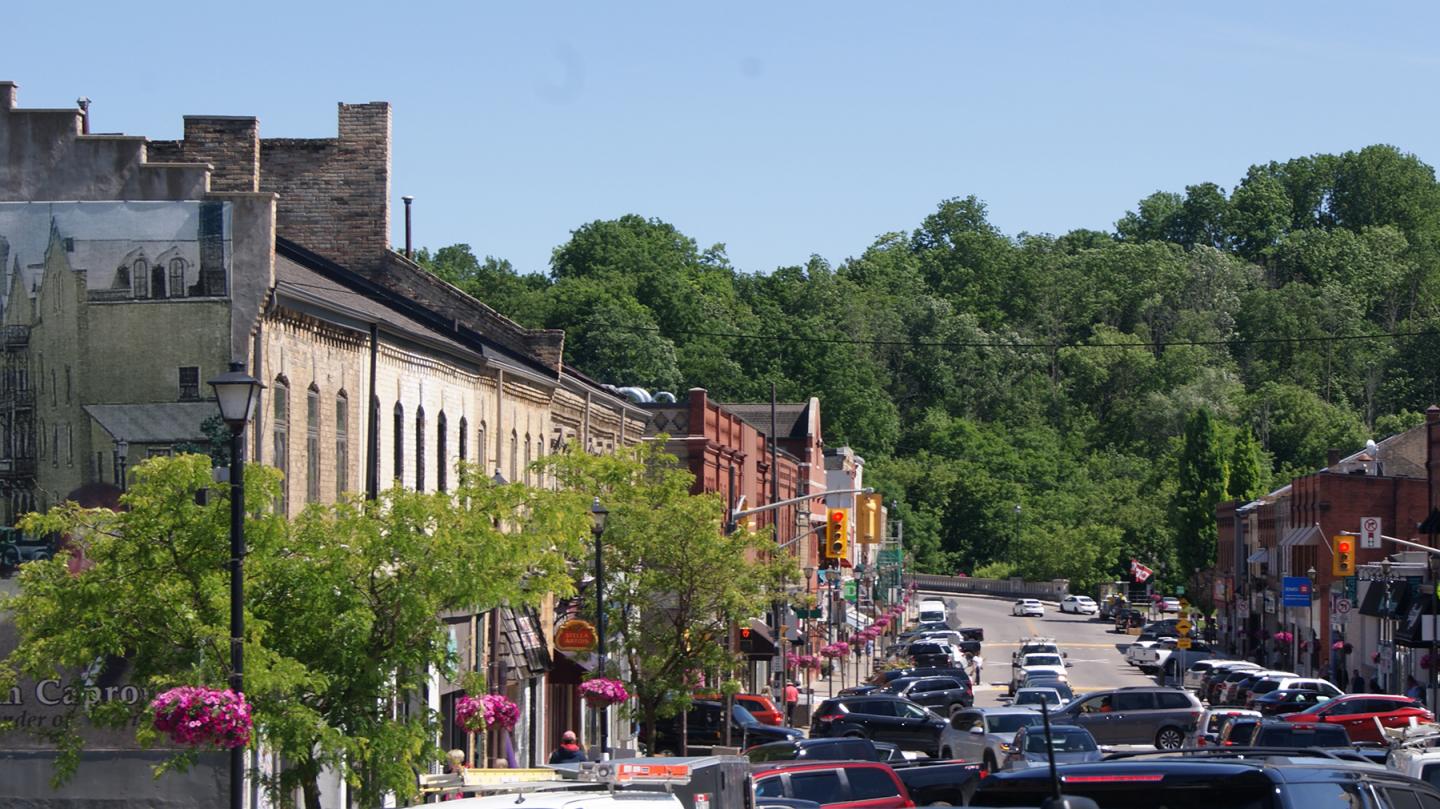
(1052, 590)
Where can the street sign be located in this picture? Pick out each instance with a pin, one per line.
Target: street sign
(1295, 592)
(1370, 532)
(1182, 643)
(1351, 588)
(1342, 606)
(575, 636)
(1183, 627)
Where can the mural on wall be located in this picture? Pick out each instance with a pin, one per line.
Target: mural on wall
(128, 250)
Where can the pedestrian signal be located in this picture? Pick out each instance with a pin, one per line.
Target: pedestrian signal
(837, 540)
(1344, 559)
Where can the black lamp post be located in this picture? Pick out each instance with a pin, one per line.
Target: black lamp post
(1314, 636)
(122, 453)
(237, 392)
(597, 517)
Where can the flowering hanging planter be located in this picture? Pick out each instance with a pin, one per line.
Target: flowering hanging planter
(1283, 637)
(203, 717)
(475, 714)
(1425, 661)
(600, 692)
(1342, 647)
(835, 650)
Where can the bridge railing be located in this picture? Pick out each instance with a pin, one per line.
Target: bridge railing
(1052, 590)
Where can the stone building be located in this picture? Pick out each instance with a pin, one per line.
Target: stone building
(135, 270)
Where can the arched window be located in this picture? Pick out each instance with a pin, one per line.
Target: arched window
(177, 277)
(528, 460)
(140, 274)
(540, 456)
(399, 475)
(442, 464)
(482, 451)
(281, 437)
(312, 445)
(464, 437)
(514, 457)
(342, 444)
(420, 450)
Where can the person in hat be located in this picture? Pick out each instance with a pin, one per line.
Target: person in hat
(569, 751)
(792, 698)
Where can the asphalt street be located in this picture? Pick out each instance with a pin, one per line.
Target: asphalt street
(1094, 649)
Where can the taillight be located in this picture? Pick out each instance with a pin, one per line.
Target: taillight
(829, 717)
(1110, 779)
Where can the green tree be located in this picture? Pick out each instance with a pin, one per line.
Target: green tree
(1202, 484)
(675, 582)
(1247, 467)
(342, 608)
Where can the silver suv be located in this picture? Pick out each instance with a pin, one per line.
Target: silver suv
(1139, 715)
(985, 734)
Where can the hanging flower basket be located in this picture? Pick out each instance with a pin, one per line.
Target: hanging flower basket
(203, 717)
(812, 662)
(1283, 637)
(1425, 661)
(835, 650)
(1342, 647)
(475, 714)
(599, 692)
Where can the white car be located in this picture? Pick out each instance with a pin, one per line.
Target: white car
(1212, 720)
(1032, 663)
(1029, 606)
(1032, 697)
(1171, 604)
(1080, 605)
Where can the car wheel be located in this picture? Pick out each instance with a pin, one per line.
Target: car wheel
(1169, 739)
(854, 734)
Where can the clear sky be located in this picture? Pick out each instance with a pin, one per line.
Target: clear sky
(781, 129)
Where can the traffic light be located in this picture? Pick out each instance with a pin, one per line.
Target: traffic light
(867, 519)
(837, 540)
(1344, 559)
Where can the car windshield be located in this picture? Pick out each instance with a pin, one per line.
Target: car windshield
(1066, 741)
(1042, 660)
(1007, 724)
(1037, 697)
(742, 716)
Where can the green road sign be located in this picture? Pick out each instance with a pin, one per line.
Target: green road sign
(849, 590)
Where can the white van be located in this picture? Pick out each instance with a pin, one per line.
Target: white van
(932, 611)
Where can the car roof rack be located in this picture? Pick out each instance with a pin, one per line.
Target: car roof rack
(1226, 752)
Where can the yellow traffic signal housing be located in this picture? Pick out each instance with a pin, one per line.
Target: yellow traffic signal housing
(1343, 562)
(837, 540)
(867, 519)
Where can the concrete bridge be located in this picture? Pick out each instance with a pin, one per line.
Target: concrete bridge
(1052, 590)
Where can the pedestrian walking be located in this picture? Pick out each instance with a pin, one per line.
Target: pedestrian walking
(569, 750)
(792, 698)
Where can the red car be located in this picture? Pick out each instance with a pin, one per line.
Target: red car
(833, 784)
(1357, 714)
(759, 705)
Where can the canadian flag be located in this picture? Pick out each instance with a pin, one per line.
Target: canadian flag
(1139, 572)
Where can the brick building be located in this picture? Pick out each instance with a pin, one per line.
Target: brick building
(136, 269)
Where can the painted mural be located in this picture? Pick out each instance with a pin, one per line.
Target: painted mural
(127, 250)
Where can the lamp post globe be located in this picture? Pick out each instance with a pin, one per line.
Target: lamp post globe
(236, 392)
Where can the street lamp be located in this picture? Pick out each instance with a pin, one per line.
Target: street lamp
(1017, 531)
(1385, 622)
(236, 392)
(598, 513)
(122, 453)
(1314, 636)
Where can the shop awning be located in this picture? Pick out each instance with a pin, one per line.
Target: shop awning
(1306, 535)
(1259, 557)
(761, 640)
(1411, 629)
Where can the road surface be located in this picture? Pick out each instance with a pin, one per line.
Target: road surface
(1093, 648)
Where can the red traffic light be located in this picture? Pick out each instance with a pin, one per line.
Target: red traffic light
(745, 632)
(1343, 547)
(837, 516)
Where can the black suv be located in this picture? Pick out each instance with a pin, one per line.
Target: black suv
(880, 717)
(705, 728)
(1290, 780)
(930, 653)
(841, 749)
(943, 694)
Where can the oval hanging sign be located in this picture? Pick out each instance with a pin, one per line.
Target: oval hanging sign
(576, 635)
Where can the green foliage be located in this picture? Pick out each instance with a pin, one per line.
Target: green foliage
(1201, 485)
(342, 607)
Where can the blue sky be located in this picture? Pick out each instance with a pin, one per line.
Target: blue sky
(780, 129)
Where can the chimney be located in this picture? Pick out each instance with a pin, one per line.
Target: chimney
(409, 246)
(1332, 458)
(7, 94)
(84, 104)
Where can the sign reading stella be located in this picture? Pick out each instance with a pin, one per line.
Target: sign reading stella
(576, 635)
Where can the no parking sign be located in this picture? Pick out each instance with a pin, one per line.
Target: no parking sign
(1370, 532)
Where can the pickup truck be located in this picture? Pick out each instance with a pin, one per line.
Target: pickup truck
(1151, 659)
(939, 783)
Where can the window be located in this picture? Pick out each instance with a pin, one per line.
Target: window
(482, 449)
(528, 460)
(442, 464)
(399, 475)
(140, 275)
(464, 440)
(189, 383)
(54, 390)
(821, 786)
(312, 445)
(55, 445)
(514, 457)
(342, 444)
(67, 384)
(1134, 701)
(1172, 700)
(870, 783)
(420, 450)
(281, 437)
(771, 787)
(69, 446)
(876, 707)
(157, 281)
(177, 277)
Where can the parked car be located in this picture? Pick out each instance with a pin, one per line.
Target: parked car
(1223, 686)
(759, 705)
(1028, 606)
(1212, 722)
(1277, 703)
(1357, 714)
(943, 695)
(1169, 604)
(1238, 731)
(985, 734)
(1034, 664)
(1236, 689)
(880, 717)
(17, 548)
(891, 675)
(1136, 715)
(1034, 698)
(1275, 733)
(1219, 781)
(705, 728)
(1218, 669)
(1080, 605)
(940, 783)
(844, 748)
(1280, 683)
(1071, 744)
(833, 784)
(1054, 682)
(858, 690)
(933, 653)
